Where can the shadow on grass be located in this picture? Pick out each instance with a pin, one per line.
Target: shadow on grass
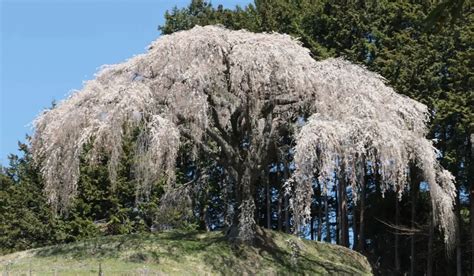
(266, 249)
(263, 250)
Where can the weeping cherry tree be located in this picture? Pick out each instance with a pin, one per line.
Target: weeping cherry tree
(231, 96)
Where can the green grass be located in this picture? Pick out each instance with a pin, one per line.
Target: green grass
(189, 253)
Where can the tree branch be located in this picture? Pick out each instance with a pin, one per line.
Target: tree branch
(228, 151)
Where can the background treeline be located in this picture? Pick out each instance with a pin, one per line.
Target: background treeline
(423, 49)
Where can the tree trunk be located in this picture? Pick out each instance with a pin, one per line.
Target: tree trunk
(280, 212)
(287, 215)
(429, 263)
(244, 231)
(202, 217)
(257, 212)
(355, 229)
(397, 234)
(346, 218)
(328, 223)
(361, 238)
(344, 231)
(311, 227)
(471, 200)
(458, 236)
(337, 213)
(280, 200)
(286, 175)
(471, 215)
(320, 213)
(268, 201)
(414, 190)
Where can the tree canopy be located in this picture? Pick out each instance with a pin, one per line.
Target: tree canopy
(233, 96)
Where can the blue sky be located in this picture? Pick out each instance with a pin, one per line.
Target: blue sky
(48, 48)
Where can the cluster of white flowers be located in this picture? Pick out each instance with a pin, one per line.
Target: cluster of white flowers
(241, 90)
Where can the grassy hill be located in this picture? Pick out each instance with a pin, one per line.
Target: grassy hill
(188, 253)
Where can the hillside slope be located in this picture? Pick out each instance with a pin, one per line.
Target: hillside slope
(189, 253)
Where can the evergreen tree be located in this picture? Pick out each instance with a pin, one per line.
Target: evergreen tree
(26, 219)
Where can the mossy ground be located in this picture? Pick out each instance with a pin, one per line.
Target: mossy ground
(188, 253)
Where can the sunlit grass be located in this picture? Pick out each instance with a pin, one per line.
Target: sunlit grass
(186, 252)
